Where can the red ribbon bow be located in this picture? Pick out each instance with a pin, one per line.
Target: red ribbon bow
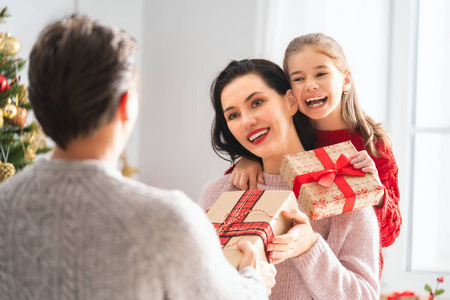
(341, 167)
(333, 173)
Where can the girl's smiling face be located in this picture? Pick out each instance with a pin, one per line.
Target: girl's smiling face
(318, 86)
(258, 117)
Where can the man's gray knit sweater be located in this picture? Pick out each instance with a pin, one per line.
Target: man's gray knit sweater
(79, 230)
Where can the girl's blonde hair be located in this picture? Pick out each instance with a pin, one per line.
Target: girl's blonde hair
(352, 113)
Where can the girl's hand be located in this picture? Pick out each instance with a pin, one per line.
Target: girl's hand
(363, 161)
(299, 239)
(246, 173)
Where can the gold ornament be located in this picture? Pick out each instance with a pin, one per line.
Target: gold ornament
(1, 118)
(20, 117)
(23, 95)
(6, 170)
(9, 45)
(35, 140)
(30, 154)
(9, 110)
(127, 170)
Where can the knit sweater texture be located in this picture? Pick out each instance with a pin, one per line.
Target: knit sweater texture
(342, 264)
(388, 215)
(79, 230)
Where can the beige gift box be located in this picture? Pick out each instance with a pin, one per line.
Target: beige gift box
(320, 201)
(247, 215)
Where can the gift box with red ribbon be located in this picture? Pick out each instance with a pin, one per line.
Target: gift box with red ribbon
(325, 182)
(252, 215)
(405, 295)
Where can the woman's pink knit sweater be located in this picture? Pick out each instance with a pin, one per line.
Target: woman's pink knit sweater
(342, 264)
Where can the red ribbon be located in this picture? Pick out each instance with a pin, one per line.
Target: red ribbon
(395, 295)
(332, 172)
(234, 224)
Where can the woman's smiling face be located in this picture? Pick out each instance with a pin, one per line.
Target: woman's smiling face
(258, 117)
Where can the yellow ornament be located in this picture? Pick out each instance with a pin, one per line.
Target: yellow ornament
(9, 110)
(23, 95)
(6, 170)
(127, 170)
(10, 46)
(1, 118)
(30, 154)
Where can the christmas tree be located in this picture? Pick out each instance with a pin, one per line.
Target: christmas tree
(20, 140)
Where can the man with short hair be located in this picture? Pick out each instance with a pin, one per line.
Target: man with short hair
(73, 227)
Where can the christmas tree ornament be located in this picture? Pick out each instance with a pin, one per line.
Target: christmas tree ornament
(20, 117)
(3, 84)
(23, 95)
(4, 15)
(1, 118)
(30, 154)
(127, 170)
(10, 45)
(9, 110)
(7, 170)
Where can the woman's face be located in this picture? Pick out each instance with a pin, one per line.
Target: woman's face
(317, 85)
(258, 117)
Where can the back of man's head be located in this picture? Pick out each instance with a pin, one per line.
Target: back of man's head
(78, 70)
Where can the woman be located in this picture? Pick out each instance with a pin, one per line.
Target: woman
(332, 258)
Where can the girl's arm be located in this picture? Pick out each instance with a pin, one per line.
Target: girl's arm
(388, 213)
(246, 173)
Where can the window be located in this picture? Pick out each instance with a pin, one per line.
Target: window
(419, 124)
(430, 141)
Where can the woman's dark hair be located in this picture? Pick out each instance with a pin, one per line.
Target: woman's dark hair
(223, 141)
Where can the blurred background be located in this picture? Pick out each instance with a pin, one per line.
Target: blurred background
(397, 51)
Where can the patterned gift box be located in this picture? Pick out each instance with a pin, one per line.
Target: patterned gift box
(326, 184)
(252, 215)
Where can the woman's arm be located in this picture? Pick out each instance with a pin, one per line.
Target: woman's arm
(347, 261)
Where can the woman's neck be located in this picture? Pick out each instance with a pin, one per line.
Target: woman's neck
(272, 164)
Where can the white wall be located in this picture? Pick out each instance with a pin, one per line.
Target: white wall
(186, 44)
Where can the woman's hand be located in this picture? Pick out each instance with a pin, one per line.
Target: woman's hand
(251, 259)
(246, 174)
(363, 161)
(299, 239)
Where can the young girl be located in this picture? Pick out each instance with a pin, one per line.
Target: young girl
(313, 62)
(332, 258)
